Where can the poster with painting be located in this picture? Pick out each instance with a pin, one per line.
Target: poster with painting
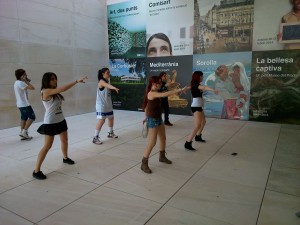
(179, 71)
(223, 26)
(229, 73)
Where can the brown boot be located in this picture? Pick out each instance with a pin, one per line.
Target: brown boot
(163, 158)
(145, 166)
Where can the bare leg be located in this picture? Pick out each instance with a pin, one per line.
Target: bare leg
(100, 124)
(197, 126)
(64, 143)
(111, 122)
(162, 137)
(43, 152)
(202, 123)
(152, 137)
(22, 124)
(162, 145)
(28, 124)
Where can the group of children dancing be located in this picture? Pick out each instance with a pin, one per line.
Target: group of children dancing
(55, 124)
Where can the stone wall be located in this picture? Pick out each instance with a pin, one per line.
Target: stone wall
(67, 37)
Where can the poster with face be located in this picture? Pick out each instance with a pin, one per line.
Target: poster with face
(169, 34)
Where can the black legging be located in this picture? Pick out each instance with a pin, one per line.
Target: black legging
(165, 107)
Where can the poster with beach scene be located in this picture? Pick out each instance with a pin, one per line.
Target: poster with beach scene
(229, 73)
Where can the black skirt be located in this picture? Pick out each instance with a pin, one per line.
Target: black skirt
(53, 129)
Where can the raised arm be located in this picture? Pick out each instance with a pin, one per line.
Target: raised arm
(49, 92)
(206, 88)
(152, 95)
(27, 81)
(102, 84)
(29, 85)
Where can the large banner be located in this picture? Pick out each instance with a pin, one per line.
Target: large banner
(229, 73)
(275, 32)
(275, 87)
(173, 19)
(249, 50)
(129, 76)
(127, 29)
(179, 70)
(223, 27)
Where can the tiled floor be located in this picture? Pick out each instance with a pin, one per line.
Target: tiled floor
(260, 185)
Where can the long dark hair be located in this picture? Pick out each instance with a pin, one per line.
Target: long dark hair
(152, 80)
(101, 72)
(196, 77)
(46, 83)
(161, 36)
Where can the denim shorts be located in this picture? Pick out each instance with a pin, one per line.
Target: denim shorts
(154, 122)
(27, 113)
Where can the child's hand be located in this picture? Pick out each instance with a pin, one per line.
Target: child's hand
(82, 79)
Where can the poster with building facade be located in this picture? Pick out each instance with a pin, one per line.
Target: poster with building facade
(223, 26)
(129, 76)
(218, 36)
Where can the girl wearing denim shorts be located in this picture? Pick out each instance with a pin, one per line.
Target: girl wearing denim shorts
(152, 107)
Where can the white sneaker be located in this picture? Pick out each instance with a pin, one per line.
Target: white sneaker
(112, 135)
(96, 140)
(24, 134)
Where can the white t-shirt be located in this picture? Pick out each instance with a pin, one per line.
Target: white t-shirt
(21, 93)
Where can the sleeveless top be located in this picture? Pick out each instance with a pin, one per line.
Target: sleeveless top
(154, 108)
(53, 109)
(197, 100)
(103, 99)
